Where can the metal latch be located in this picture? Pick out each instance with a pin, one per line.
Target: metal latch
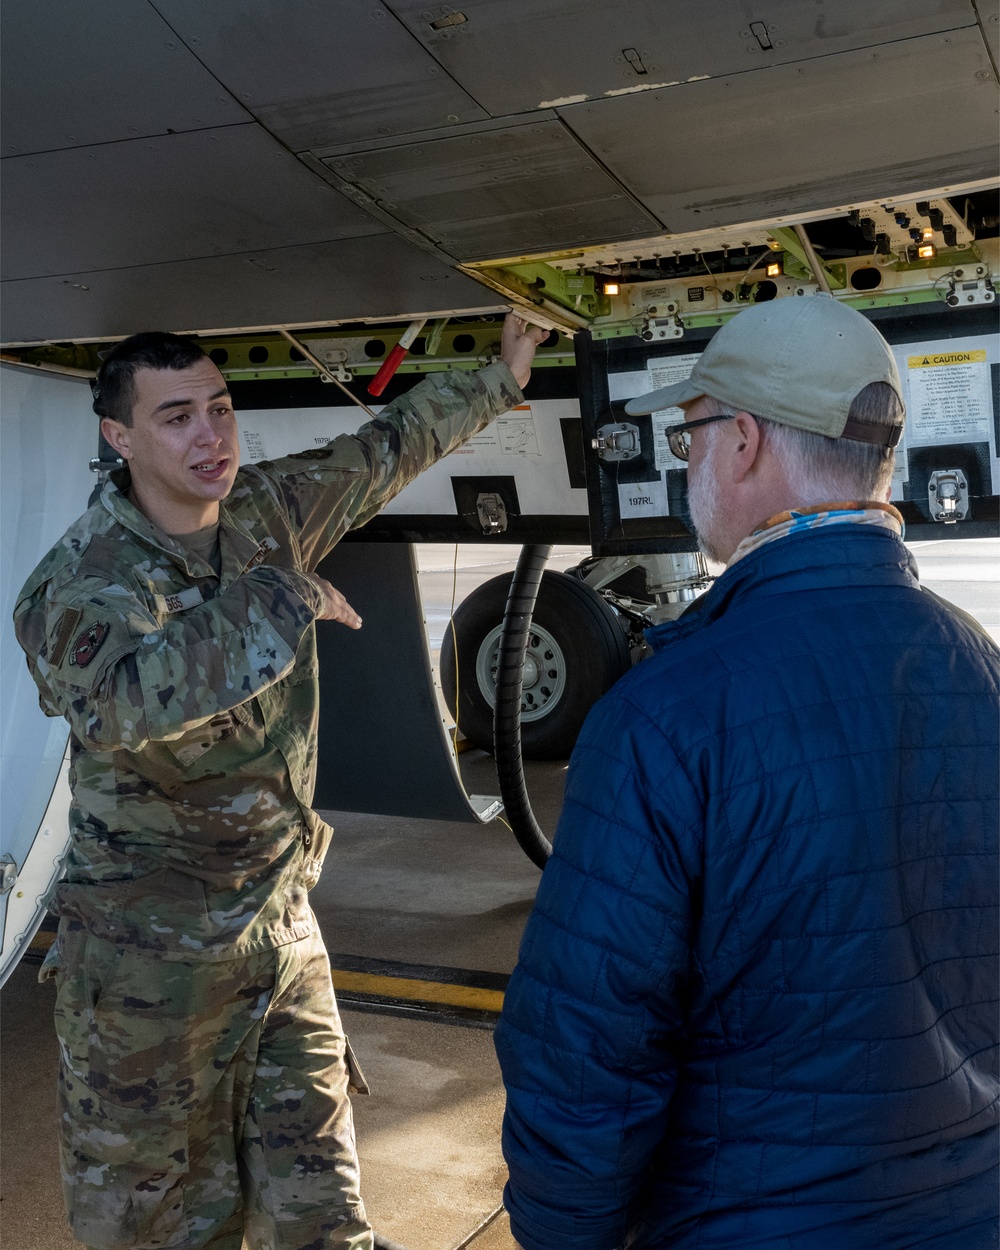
(336, 366)
(97, 465)
(492, 513)
(662, 322)
(634, 59)
(450, 18)
(948, 495)
(970, 285)
(617, 442)
(760, 33)
(8, 874)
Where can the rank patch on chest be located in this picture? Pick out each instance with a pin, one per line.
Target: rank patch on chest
(89, 643)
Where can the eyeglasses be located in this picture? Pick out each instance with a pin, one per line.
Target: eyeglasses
(679, 437)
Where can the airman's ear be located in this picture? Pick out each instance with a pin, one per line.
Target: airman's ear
(118, 436)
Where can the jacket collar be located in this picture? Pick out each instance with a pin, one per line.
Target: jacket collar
(238, 547)
(816, 516)
(814, 559)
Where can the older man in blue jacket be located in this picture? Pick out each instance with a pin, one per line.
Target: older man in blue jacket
(756, 1000)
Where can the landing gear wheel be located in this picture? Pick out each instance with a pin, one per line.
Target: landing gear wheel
(577, 649)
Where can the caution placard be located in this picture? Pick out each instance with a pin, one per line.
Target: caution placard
(938, 359)
(949, 398)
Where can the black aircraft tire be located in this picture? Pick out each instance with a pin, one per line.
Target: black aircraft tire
(594, 651)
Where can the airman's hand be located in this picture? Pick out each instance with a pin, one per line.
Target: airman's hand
(335, 606)
(517, 346)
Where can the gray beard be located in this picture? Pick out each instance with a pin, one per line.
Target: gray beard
(703, 502)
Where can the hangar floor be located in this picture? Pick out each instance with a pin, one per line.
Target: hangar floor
(423, 921)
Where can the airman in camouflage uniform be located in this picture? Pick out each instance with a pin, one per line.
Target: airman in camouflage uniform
(204, 1071)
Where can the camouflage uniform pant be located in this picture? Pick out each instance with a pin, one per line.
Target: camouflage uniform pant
(201, 1102)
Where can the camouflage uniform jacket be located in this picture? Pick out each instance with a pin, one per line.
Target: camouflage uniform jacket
(193, 699)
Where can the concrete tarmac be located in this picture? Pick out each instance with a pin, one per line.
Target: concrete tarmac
(435, 898)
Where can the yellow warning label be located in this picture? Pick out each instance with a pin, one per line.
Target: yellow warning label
(947, 358)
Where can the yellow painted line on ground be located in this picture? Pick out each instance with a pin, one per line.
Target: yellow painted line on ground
(370, 983)
(421, 991)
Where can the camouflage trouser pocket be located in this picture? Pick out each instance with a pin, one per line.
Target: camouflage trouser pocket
(317, 838)
(123, 1173)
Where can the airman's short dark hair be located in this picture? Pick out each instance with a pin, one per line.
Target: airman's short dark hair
(114, 387)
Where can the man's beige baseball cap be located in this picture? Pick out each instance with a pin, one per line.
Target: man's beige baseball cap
(799, 360)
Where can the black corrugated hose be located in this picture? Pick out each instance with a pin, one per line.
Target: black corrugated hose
(507, 712)
(507, 721)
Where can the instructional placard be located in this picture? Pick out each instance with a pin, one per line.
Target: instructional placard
(949, 398)
(516, 431)
(665, 372)
(486, 440)
(253, 445)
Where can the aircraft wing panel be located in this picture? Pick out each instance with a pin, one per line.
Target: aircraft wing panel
(499, 129)
(173, 197)
(492, 192)
(381, 276)
(514, 58)
(78, 74)
(835, 130)
(316, 73)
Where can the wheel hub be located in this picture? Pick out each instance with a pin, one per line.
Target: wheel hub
(531, 673)
(544, 678)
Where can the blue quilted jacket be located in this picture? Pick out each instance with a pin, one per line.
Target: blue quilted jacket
(756, 1002)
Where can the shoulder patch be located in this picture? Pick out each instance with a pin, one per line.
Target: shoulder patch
(66, 626)
(71, 619)
(89, 643)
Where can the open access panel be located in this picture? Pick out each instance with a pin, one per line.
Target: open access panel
(949, 365)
